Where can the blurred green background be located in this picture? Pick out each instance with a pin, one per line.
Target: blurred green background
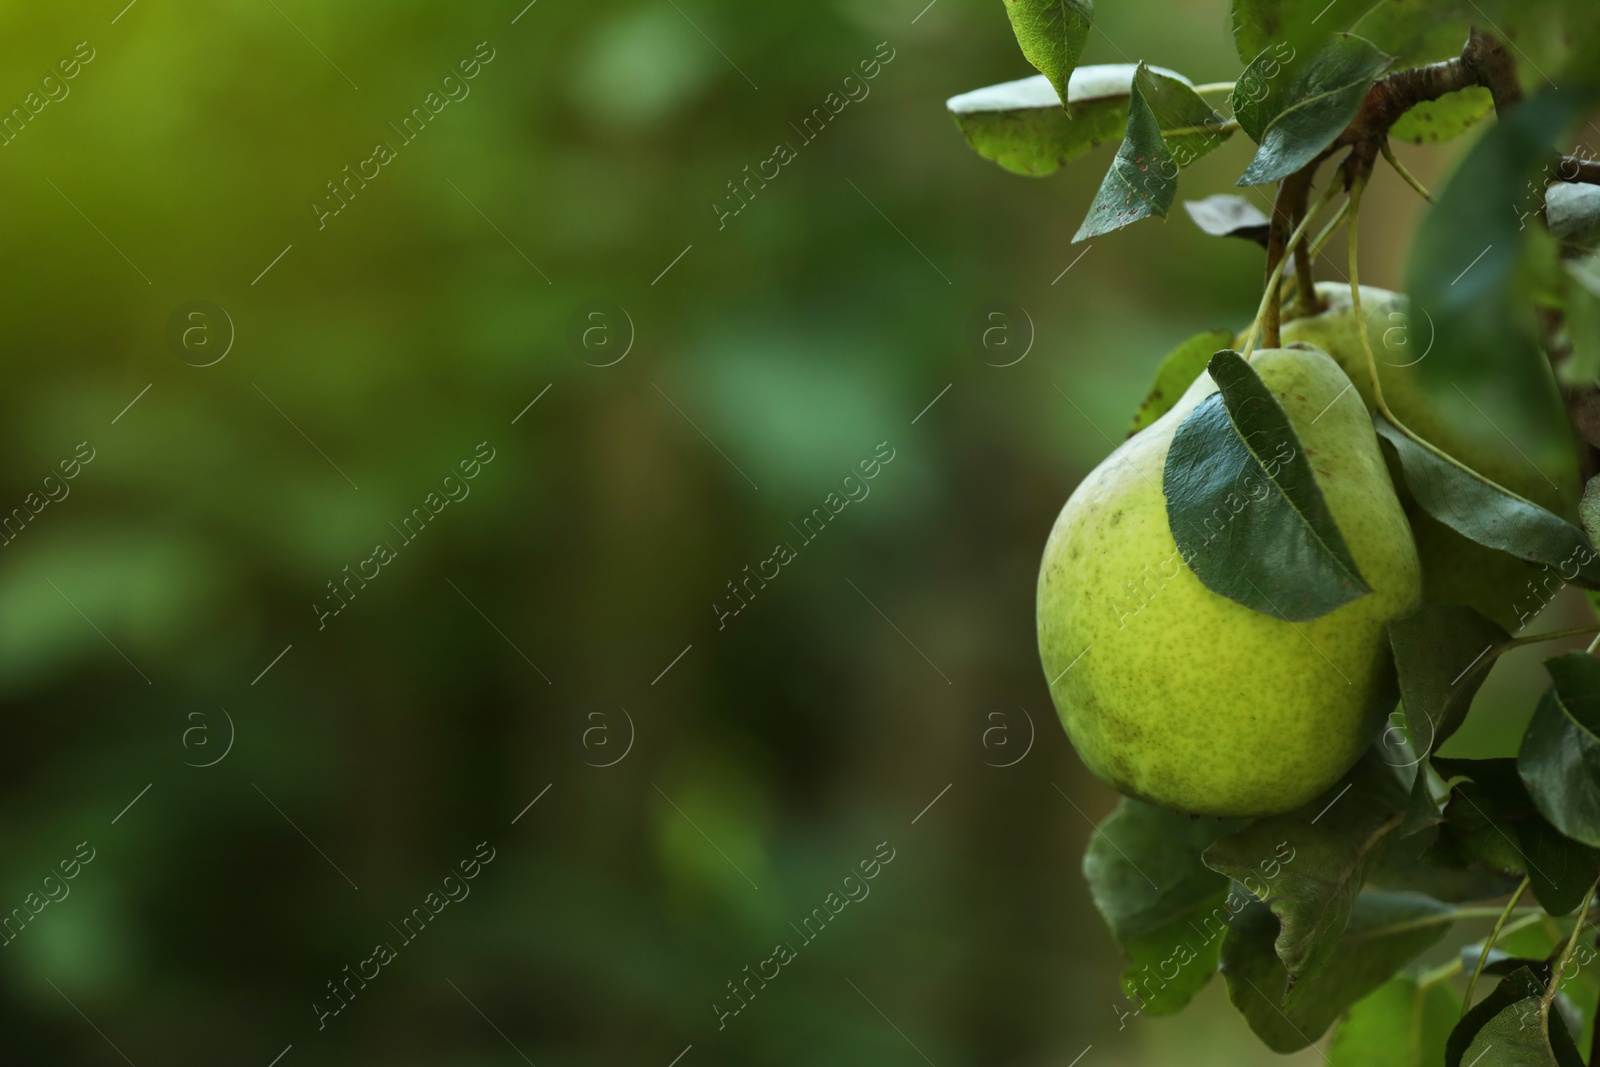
(525, 637)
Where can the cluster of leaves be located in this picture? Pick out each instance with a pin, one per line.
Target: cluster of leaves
(1317, 917)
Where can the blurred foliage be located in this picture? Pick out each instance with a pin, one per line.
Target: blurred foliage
(414, 326)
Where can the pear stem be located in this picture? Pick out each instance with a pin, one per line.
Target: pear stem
(1566, 955)
(1488, 944)
(1556, 635)
(1288, 209)
(1326, 233)
(1400, 169)
(1270, 297)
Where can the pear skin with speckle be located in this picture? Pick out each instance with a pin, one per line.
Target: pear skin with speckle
(1455, 570)
(1183, 698)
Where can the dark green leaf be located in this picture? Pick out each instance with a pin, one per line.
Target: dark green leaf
(1260, 23)
(1051, 33)
(1415, 31)
(1405, 865)
(1512, 1027)
(1475, 260)
(1189, 126)
(1310, 864)
(1386, 931)
(1283, 554)
(1226, 215)
(1492, 821)
(1163, 905)
(1406, 861)
(1442, 652)
(1293, 119)
(1452, 115)
(1178, 370)
(1490, 515)
(1142, 180)
(1560, 757)
(1537, 943)
(1573, 214)
(1403, 1024)
(1425, 806)
(1262, 82)
(1518, 986)
(1022, 126)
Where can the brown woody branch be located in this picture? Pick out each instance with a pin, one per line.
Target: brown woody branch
(1576, 170)
(1294, 192)
(1483, 61)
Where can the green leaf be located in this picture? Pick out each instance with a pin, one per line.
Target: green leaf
(1293, 119)
(1386, 931)
(1406, 865)
(1450, 116)
(1531, 944)
(1442, 652)
(1178, 370)
(1415, 31)
(1473, 270)
(1512, 1027)
(1517, 986)
(1283, 554)
(1406, 861)
(1403, 1024)
(1022, 126)
(1226, 215)
(1491, 820)
(1560, 757)
(1330, 845)
(1164, 906)
(1142, 180)
(1051, 33)
(1425, 806)
(1260, 23)
(1189, 126)
(1481, 512)
(1573, 214)
(1536, 942)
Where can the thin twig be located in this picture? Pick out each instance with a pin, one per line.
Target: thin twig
(1400, 169)
(1488, 944)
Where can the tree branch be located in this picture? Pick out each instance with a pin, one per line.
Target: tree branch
(1483, 62)
(1287, 211)
(1576, 170)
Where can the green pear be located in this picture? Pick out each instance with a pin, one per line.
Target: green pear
(1183, 698)
(1454, 569)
